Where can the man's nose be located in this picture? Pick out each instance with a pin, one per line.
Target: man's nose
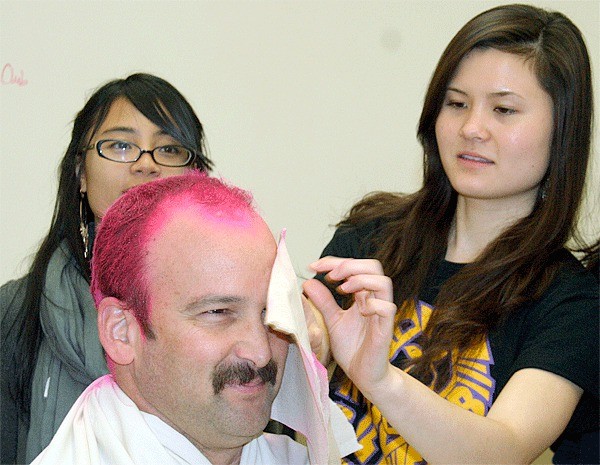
(254, 344)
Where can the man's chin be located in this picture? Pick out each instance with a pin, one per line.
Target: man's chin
(249, 416)
(250, 426)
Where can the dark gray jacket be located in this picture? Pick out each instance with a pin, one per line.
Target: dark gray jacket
(69, 359)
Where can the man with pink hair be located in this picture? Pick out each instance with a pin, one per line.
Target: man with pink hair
(180, 274)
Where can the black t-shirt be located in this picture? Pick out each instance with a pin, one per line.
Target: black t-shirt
(558, 333)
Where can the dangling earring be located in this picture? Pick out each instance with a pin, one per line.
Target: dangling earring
(83, 226)
(544, 190)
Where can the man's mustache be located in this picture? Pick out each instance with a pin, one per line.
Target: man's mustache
(243, 373)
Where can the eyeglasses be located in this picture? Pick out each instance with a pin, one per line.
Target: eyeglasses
(122, 151)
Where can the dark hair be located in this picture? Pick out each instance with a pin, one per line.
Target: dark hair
(119, 265)
(162, 104)
(519, 265)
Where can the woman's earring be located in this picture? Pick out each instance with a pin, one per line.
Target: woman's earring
(544, 190)
(83, 226)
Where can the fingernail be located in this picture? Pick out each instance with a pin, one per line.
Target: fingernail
(313, 265)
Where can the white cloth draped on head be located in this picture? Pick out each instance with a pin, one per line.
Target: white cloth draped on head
(105, 427)
(303, 401)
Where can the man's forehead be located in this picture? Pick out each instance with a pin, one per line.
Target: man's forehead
(205, 216)
(187, 220)
(199, 257)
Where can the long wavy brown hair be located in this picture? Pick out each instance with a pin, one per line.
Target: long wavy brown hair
(519, 265)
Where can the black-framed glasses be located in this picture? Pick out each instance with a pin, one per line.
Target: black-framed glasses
(122, 151)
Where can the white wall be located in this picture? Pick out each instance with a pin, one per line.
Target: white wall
(308, 104)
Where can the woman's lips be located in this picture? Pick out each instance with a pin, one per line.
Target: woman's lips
(472, 157)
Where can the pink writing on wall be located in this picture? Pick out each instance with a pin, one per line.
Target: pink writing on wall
(10, 76)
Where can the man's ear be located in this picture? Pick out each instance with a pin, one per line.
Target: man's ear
(118, 330)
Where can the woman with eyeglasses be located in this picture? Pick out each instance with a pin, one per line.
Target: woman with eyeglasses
(129, 132)
(464, 329)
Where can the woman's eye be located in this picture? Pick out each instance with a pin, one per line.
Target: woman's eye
(506, 110)
(455, 104)
(170, 149)
(120, 145)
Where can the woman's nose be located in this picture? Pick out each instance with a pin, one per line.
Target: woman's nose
(145, 164)
(474, 126)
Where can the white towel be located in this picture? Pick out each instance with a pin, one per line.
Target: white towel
(105, 427)
(303, 401)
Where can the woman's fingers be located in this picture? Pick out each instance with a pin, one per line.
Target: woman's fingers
(339, 269)
(321, 297)
(382, 308)
(380, 286)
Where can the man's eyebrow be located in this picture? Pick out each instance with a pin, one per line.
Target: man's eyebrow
(212, 300)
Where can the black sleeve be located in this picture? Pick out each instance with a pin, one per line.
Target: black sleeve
(563, 339)
(563, 332)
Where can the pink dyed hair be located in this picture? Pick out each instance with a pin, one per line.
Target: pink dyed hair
(118, 266)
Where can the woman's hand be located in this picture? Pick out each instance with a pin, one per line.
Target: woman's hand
(359, 336)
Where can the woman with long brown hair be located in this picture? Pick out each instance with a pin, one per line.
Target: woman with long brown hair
(470, 332)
